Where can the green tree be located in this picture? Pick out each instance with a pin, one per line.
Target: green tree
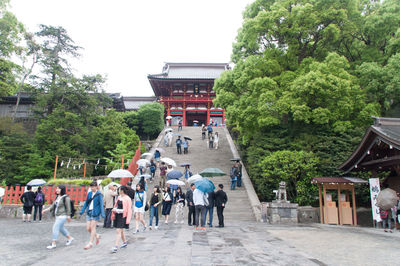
(149, 120)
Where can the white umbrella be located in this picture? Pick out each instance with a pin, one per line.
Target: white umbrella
(168, 161)
(176, 182)
(143, 162)
(160, 149)
(169, 117)
(36, 182)
(2, 192)
(194, 178)
(120, 173)
(106, 188)
(146, 176)
(145, 154)
(168, 129)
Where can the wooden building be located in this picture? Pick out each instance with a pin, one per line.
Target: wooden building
(186, 90)
(378, 151)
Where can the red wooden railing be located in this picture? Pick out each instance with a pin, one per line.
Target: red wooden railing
(12, 194)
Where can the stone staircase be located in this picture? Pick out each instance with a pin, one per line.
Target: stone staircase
(200, 156)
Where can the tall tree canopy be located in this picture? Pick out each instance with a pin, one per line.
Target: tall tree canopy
(308, 76)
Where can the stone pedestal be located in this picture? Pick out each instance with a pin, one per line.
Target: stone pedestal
(281, 212)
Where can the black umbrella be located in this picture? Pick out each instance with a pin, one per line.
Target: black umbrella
(185, 164)
(235, 159)
(188, 138)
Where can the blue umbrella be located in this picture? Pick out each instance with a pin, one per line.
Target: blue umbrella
(205, 185)
(36, 182)
(177, 135)
(174, 174)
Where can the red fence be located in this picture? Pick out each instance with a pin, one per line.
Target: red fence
(12, 194)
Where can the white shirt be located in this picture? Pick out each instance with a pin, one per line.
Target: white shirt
(198, 197)
(91, 203)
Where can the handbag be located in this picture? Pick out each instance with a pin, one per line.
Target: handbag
(146, 208)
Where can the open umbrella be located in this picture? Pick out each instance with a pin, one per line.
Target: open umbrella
(175, 182)
(177, 135)
(106, 188)
(169, 117)
(185, 164)
(386, 199)
(143, 162)
(194, 178)
(195, 121)
(2, 191)
(168, 161)
(146, 176)
(160, 150)
(145, 154)
(205, 185)
(36, 182)
(210, 172)
(188, 138)
(235, 159)
(168, 129)
(120, 173)
(174, 174)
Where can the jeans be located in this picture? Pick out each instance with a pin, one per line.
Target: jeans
(233, 184)
(191, 214)
(153, 213)
(200, 214)
(211, 144)
(107, 219)
(35, 211)
(185, 150)
(179, 149)
(59, 227)
(239, 181)
(388, 222)
(210, 211)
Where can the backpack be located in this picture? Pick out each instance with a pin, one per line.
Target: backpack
(39, 198)
(72, 206)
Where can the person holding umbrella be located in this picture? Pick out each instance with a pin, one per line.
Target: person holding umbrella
(167, 203)
(155, 205)
(216, 140)
(38, 204)
(190, 204)
(179, 145)
(185, 146)
(199, 200)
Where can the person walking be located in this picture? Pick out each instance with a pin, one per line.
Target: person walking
(199, 200)
(167, 203)
(386, 216)
(220, 201)
(155, 205)
(121, 215)
(166, 139)
(94, 208)
(61, 209)
(185, 146)
(180, 125)
(139, 206)
(239, 174)
(210, 208)
(190, 204)
(28, 199)
(216, 140)
(233, 174)
(187, 173)
(203, 131)
(180, 204)
(109, 202)
(153, 168)
(163, 174)
(209, 130)
(157, 157)
(38, 204)
(179, 145)
(211, 141)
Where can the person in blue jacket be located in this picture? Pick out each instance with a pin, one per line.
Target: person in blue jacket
(94, 208)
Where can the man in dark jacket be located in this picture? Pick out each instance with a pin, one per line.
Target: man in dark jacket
(190, 204)
(28, 199)
(220, 201)
(210, 208)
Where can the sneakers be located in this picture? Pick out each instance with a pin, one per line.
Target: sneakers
(69, 241)
(124, 245)
(203, 228)
(88, 246)
(156, 227)
(150, 228)
(137, 231)
(197, 228)
(51, 246)
(144, 229)
(114, 249)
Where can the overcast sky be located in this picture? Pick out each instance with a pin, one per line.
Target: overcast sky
(128, 39)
